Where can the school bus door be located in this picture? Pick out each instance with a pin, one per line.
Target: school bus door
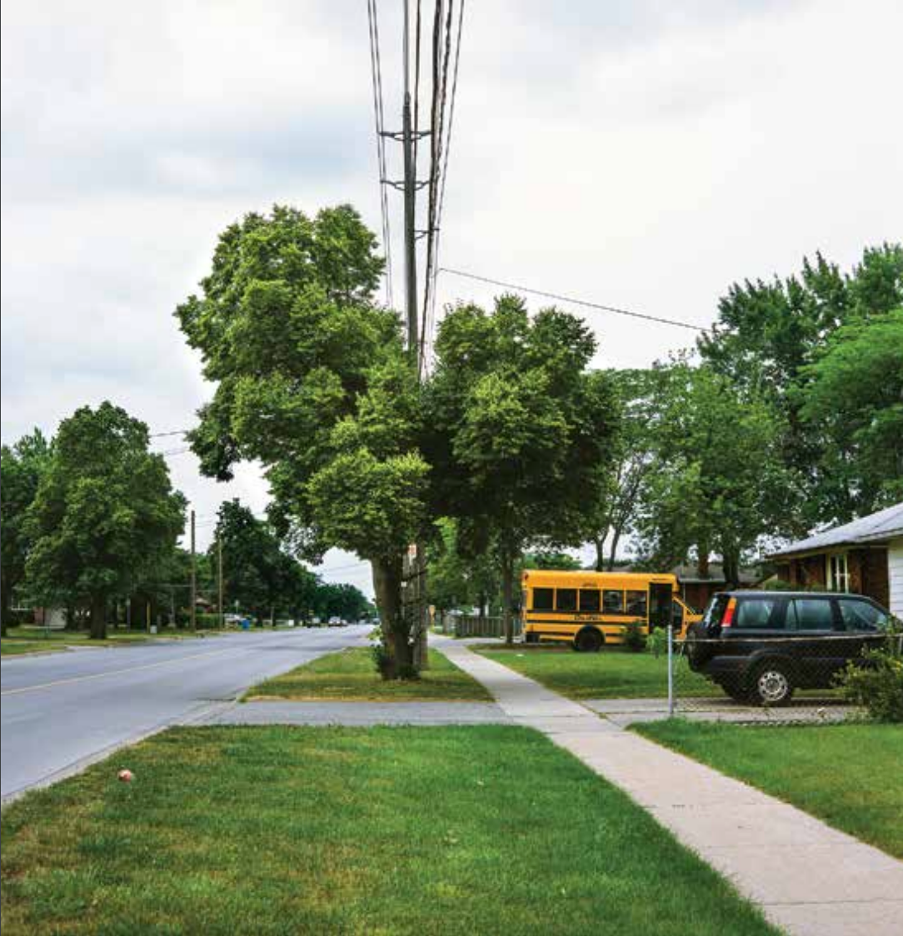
(660, 604)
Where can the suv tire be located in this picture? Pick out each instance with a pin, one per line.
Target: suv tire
(588, 640)
(771, 683)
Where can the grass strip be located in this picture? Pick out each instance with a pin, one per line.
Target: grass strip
(457, 830)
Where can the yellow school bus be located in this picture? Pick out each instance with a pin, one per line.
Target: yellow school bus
(591, 609)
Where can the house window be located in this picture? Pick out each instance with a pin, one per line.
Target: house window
(837, 576)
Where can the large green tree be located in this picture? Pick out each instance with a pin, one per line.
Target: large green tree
(850, 398)
(105, 514)
(719, 482)
(313, 382)
(621, 480)
(22, 466)
(518, 429)
(768, 335)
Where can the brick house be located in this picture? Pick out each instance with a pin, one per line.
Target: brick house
(697, 589)
(863, 557)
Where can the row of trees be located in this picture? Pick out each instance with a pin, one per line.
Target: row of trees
(507, 437)
(90, 519)
(790, 419)
(514, 441)
(261, 578)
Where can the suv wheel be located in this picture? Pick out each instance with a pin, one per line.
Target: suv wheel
(772, 683)
(588, 640)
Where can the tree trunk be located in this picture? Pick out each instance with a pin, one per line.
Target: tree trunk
(613, 549)
(508, 575)
(7, 609)
(703, 560)
(731, 567)
(99, 617)
(600, 563)
(398, 653)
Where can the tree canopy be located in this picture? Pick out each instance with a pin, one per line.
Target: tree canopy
(769, 340)
(22, 466)
(105, 514)
(517, 429)
(313, 382)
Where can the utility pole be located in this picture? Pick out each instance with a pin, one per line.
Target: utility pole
(413, 563)
(194, 577)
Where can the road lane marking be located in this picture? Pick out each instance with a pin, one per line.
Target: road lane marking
(119, 672)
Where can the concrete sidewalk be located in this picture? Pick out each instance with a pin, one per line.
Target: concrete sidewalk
(809, 879)
(359, 713)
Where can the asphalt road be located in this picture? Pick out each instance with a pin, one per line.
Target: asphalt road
(60, 709)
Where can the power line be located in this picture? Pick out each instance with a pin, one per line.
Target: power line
(172, 432)
(430, 322)
(581, 302)
(441, 135)
(377, 84)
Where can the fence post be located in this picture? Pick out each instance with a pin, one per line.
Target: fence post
(671, 674)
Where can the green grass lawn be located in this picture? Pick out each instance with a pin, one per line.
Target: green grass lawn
(350, 675)
(847, 775)
(29, 639)
(464, 830)
(610, 674)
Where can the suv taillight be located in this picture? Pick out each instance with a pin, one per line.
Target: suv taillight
(728, 614)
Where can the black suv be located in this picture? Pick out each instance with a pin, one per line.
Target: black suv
(759, 646)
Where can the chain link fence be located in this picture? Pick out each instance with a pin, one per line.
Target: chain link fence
(767, 679)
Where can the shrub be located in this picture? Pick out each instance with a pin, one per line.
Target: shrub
(657, 642)
(875, 683)
(635, 641)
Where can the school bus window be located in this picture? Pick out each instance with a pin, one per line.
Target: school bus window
(590, 600)
(542, 599)
(613, 601)
(566, 599)
(636, 603)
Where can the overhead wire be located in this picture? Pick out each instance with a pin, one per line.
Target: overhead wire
(379, 127)
(560, 297)
(431, 320)
(441, 136)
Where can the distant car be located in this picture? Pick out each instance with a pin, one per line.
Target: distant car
(335, 622)
(760, 646)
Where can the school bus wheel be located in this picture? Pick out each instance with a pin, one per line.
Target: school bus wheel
(588, 640)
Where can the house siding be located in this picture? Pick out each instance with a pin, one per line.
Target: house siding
(896, 579)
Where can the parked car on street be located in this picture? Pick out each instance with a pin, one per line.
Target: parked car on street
(760, 646)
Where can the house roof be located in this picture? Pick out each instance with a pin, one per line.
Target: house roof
(876, 528)
(689, 575)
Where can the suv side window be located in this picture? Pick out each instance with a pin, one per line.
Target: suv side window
(756, 612)
(814, 614)
(860, 615)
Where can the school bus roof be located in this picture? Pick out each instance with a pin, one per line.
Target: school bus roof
(589, 579)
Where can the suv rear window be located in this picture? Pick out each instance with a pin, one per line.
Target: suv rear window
(714, 610)
(754, 612)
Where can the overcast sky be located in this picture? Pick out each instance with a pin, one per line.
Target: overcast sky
(639, 154)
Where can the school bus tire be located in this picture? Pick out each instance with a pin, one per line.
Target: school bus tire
(588, 640)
